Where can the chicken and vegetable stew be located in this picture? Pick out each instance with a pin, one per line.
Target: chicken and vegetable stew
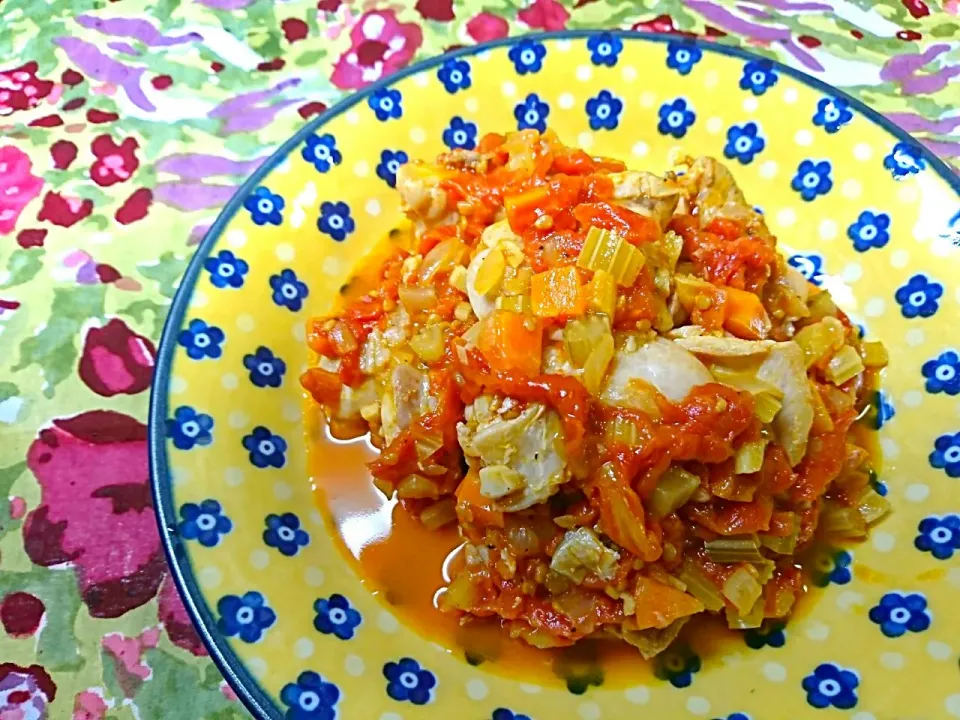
(614, 387)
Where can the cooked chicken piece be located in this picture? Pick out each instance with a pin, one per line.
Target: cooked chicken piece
(404, 396)
(713, 346)
(665, 365)
(785, 369)
(581, 553)
(646, 194)
(531, 444)
(423, 198)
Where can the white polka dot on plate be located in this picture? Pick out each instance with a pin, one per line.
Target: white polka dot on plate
(589, 711)
(372, 207)
(908, 192)
(210, 577)
(890, 448)
(711, 78)
(915, 336)
(851, 189)
(178, 385)
(390, 716)
(291, 411)
(563, 45)
(874, 307)
(229, 381)
(769, 169)
(530, 689)
(471, 104)
(352, 117)
(917, 492)
(851, 272)
(714, 125)
(259, 559)
(315, 517)
(236, 238)
(862, 152)
(899, 258)
(816, 630)
(953, 577)
(640, 148)
(774, 672)
(509, 89)
(246, 322)
(952, 704)
(698, 705)
(584, 73)
(298, 217)
(892, 660)
(387, 622)
(912, 398)
(354, 665)
(803, 138)
(786, 217)
(418, 135)
(331, 266)
(566, 101)
(629, 73)
(864, 716)
(849, 600)
(882, 541)
(257, 666)
(282, 490)
(181, 475)
(233, 476)
(314, 576)
(639, 695)
(477, 689)
(939, 650)
(585, 140)
(199, 299)
(299, 331)
(647, 99)
(421, 79)
(238, 419)
(361, 168)
(750, 104)
(827, 229)
(790, 96)
(303, 648)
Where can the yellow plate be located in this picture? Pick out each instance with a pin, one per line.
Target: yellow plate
(861, 208)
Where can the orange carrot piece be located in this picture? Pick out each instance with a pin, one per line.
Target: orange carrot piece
(745, 315)
(659, 604)
(557, 293)
(473, 505)
(508, 344)
(524, 208)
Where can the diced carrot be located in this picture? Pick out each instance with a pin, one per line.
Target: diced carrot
(573, 161)
(324, 386)
(557, 293)
(473, 505)
(623, 519)
(524, 208)
(507, 343)
(659, 604)
(489, 142)
(745, 315)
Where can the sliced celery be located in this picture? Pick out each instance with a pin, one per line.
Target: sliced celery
(700, 586)
(675, 488)
(734, 549)
(872, 506)
(743, 590)
(749, 457)
(843, 366)
(782, 544)
(838, 521)
(874, 355)
(752, 619)
(766, 406)
(603, 250)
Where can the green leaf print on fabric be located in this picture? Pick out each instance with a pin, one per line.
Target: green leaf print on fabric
(139, 309)
(174, 677)
(8, 476)
(167, 271)
(22, 267)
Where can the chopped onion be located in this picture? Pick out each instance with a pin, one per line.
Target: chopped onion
(416, 486)
(838, 521)
(442, 256)
(743, 590)
(843, 366)
(442, 512)
(415, 299)
(749, 457)
(872, 506)
(753, 618)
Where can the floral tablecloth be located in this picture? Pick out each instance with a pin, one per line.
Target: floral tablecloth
(124, 127)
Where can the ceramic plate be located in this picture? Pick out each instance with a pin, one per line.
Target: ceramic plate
(860, 207)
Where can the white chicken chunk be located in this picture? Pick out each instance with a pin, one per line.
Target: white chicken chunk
(712, 346)
(423, 198)
(404, 396)
(530, 444)
(784, 368)
(581, 553)
(665, 365)
(646, 194)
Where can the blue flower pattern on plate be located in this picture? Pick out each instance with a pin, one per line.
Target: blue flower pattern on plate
(285, 534)
(812, 179)
(871, 230)
(205, 522)
(188, 428)
(407, 681)
(266, 449)
(735, 716)
(335, 220)
(201, 340)
(758, 76)
(321, 152)
(676, 117)
(919, 296)
(832, 114)
(266, 369)
(390, 162)
(830, 684)
(531, 113)
(504, 714)
(455, 75)
(833, 568)
(527, 56)
(744, 142)
(248, 616)
(946, 454)
(604, 111)
(905, 159)
(335, 616)
(768, 636)
(265, 207)
(885, 409)
(897, 613)
(682, 56)
(288, 290)
(461, 134)
(810, 266)
(939, 536)
(226, 270)
(310, 698)
(677, 666)
(386, 103)
(604, 49)
(943, 373)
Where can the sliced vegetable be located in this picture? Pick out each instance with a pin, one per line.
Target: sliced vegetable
(701, 587)
(443, 256)
(874, 355)
(415, 298)
(820, 340)
(766, 406)
(443, 512)
(745, 316)
(752, 619)
(611, 253)
(508, 342)
(782, 544)
(666, 366)
(872, 506)
(843, 366)
(841, 522)
(733, 549)
(623, 431)
(582, 335)
(514, 303)
(524, 208)
(821, 305)
(581, 553)
(749, 457)
(602, 293)
(417, 486)
(596, 365)
(675, 488)
(743, 590)
(557, 293)
(784, 368)
(722, 347)
(428, 343)
(473, 508)
(657, 605)
(490, 272)
(621, 515)
(496, 481)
